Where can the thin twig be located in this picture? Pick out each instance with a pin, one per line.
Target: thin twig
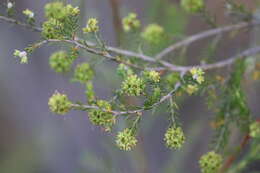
(203, 35)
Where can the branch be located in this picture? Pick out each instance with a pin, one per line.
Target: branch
(117, 112)
(166, 65)
(204, 35)
(10, 20)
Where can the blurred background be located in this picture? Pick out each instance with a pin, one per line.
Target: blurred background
(33, 140)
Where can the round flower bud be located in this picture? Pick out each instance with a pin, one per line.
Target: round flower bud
(103, 116)
(83, 73)
(92, 26)
(55, 10)
(190, 89)
(60, 62)
(133, 86)
(254, 130)
(51, 29)
(124, 71)
(130, 22)
(59, 103)
(192, 6)
(174, 138)
(153, 76)
(210, 162)
(126, 139)
(153, 34)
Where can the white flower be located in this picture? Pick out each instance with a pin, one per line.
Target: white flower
(22, 55)
(10, 5)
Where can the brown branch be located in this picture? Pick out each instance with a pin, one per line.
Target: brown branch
(116, 19)
(233, 157)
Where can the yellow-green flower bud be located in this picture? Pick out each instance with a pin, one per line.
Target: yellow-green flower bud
(190, 89)
(130, 22)
(126, 139)
(124, 70)
(59, 103)
(153, 34)
(192, 6)
(197, 74)
(102, 117)
(133, 85)
(152, 75)
(60, 62)
(28, 13)
(83, 73)
(51, 29)
(254, 130)
(174, 138)
(210, 162)
(92, 26)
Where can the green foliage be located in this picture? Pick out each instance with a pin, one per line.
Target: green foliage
(126, 139)
(210, 162)
(156, 80)
(254, 130)
(174, 138)
(59, 103)
(62, 21)
(233, 107)
(124, 71)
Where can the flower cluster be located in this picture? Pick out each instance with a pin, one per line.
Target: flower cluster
(255, 130)
(28, 13)
(133, 85)
(131, 22)
(103, 116)
(22, 55)
(210, 162)
(126, 139)
(174, 138)
(92, 26)
(124, 70)
(83, 73)
(59, 11)
(153, 34)
(153, 76)
(59, 103)
(60, 62)
(197, 75)
(51, 29)
(59, 17)
(192, 6)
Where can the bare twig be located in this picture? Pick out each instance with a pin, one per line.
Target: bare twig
(203, 35)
